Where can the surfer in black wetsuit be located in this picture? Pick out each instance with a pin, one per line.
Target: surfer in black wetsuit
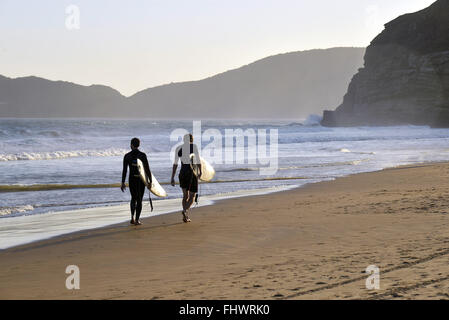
(136, 185)
(187, 179)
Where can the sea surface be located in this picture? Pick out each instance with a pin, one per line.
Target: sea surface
(50, 166)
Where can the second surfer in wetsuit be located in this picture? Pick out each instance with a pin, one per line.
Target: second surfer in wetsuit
(136, 185)
(187, 179)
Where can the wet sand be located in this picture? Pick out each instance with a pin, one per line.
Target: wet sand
(309, 243)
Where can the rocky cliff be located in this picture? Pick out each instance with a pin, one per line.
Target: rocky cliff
(405, 79)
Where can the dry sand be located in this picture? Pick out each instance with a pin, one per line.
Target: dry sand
(309, 243)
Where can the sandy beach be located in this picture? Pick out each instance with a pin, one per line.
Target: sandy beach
(308, 243)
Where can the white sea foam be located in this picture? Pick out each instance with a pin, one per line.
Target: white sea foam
(61, 154)
(344, 150)
(6, 211)
(313, 120)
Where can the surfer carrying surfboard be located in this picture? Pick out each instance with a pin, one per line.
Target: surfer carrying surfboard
(136, 185)
(188, 180)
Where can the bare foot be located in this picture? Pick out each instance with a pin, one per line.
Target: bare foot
(132, 221)
(138, 223)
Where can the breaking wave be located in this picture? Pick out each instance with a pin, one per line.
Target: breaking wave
(320, 165)
(5, 211)
(61, 154)
(344, 150)
(313, 120)
(49, 187)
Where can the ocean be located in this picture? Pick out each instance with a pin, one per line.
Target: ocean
(54, 166)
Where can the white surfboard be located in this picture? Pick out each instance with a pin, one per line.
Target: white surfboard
(207, 171)
(155, 188)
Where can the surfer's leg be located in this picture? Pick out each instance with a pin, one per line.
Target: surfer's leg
(185, 195)
(190, 199)
(133, 207)
(191, 196)
(138, 210)
(134, 197)
(191, 193)
(141, 192)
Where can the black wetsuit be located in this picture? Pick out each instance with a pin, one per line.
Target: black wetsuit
(187, 179)
(136, 185)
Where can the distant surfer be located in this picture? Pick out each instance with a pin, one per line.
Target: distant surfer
(187, 179)
(136, 185)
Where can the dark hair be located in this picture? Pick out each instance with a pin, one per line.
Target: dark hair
(135, 142)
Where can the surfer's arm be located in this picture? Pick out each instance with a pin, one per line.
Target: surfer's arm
(124, 172)
(175, 167)
(197, 159)
(172, 181)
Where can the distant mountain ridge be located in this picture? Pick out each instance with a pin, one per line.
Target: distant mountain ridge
(38, 97)
(282, 86)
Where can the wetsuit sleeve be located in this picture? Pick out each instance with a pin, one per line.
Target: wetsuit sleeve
(125, 169)
(147, 166)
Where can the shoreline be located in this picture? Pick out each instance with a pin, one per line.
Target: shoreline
(209, 202)
(312, 235)
(117, 215)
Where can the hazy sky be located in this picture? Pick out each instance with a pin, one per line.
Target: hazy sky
(135, 44)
